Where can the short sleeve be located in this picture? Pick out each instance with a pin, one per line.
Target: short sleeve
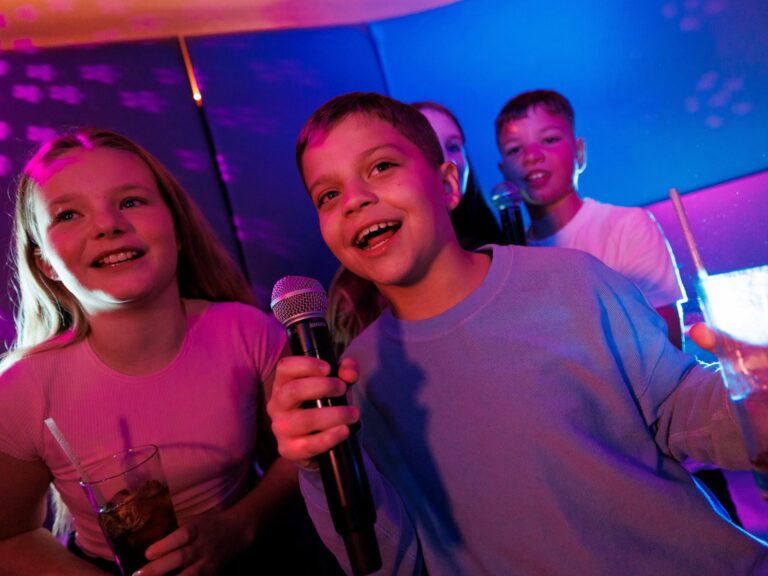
(22, 411)
(648, 260)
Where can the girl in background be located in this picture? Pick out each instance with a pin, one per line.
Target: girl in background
(472, 219)
(134, 327)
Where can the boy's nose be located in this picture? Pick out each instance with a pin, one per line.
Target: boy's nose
(532, 154)
(357, 197)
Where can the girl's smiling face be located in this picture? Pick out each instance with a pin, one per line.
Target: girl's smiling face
(105, 230)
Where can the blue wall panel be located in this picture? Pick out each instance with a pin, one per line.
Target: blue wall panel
(258, 90)
(667, 93)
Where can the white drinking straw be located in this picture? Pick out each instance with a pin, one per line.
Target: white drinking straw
(700, 270)
(66, 447)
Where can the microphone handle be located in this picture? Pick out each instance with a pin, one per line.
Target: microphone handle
(517, 225)
(341, 468)
(512, 225)
(506, 225)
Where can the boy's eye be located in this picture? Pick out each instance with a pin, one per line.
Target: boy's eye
(326, 197)
(454, 148)
(512, 150)
(551, 139)
(383, 166)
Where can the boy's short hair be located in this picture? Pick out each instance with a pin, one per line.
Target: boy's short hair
(517, 107)
(406, 119)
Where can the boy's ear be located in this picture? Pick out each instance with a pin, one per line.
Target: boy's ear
(44, 266)
(581, 154)
(451, 185)
(503, 168)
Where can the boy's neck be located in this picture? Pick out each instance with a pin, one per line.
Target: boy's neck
(548, 220)
(139, 339)
(453, 277)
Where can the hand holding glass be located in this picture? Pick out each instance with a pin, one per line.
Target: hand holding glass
(129, 493)
(735, 305)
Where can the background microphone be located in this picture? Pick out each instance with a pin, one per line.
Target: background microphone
(506, 198)
(300, 304)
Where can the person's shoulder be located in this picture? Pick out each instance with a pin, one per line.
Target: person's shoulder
(238, 317)
(549, 265)
(240, 328)
(625, 226)
(229, 310)
(366, 341)
(26, 374)
(559, 277)
(573, 264)
(559, 257)
(46, 356)
(20, 378)
(14, 368)
(614, 211)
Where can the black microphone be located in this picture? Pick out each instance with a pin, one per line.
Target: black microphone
(506, 198)
(300, 304)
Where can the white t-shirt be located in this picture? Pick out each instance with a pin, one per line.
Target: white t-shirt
(630, 241)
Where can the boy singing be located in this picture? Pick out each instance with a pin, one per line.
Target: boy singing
(522, 409)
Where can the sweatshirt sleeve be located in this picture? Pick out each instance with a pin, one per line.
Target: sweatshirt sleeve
(697, 421)
(684, 403)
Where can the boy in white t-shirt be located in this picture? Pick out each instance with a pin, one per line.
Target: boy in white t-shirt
(541, 154)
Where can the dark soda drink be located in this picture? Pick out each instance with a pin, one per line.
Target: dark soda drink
(132, 521)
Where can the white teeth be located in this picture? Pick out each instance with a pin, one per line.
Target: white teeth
(113, 259)
(371, 229)
(535, 176)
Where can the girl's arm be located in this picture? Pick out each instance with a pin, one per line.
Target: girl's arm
(26, 547)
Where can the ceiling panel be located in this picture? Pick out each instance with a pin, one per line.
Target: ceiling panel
(42, 23)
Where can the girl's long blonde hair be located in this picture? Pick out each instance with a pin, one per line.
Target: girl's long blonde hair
(45, 309)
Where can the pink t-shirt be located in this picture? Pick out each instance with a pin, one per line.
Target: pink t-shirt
(201, 410)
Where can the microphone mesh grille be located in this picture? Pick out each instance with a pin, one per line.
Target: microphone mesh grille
(296, 297)
(505, 195)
